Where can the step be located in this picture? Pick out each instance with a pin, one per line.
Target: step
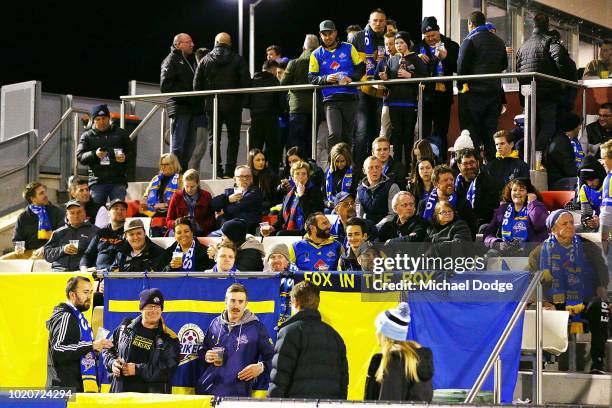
(567, 388)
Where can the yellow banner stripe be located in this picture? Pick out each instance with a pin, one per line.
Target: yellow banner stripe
(194, 306)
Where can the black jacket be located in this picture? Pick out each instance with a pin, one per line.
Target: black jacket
(177, 72)
(26, 227)
(482, 53)
(222, 68)
(413, 230)
(504, 170)
(54, 248)
(200, 257)
(309, 360)
(270, 102)
(485, 200)
(114, 137)
(153, 258)
(450, 240)
(464, 212)
(543, 53)
(65, 349)
(407, 93)
(449, 64)
(395, 386)
(597, 135)
(248, 208)
(267, 180)
(154, 376)
(103, 249)
(397, 172)
(310, 202)
(559, 159)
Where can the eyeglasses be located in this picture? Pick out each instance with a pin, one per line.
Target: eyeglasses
(444, 212)
(165, 164)
(151, 308)
(243, 177)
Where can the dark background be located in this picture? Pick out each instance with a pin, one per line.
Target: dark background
(90, 48)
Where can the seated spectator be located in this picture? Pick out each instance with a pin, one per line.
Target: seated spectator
(404, 370)
(36, 223)
(103, 248)
(159, 192)
(375, 193)
(600, 67)
(249, 250)
(295, 154)
(475, 186)
(95, 213)
(345, 209)
(368, 252)
(265, 178)
(186, 254)
(300, 202)
(507, 164)
(447, 232)
(341, 176)
(564, 155)
(240, 202)
(600, 131)
(576, 279)
(356, 235)
(277, 259)
(391, 168)
(140, 254)
(225, 258)
(406, 225)
(68, 243)
(444, 189)
(420, 184)
(318, 251)
(422, 150)
(193, 202)
(521, 218)
(592, 174)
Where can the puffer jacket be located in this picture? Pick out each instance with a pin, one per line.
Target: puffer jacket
(268, 102)
(482, 52)
(222, 68)
(177, 72)
(543, 53)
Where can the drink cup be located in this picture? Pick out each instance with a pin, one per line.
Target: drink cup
(118, 152)
(177, 256)
(604, 74)
(238, 190)
(218, 361)
(19, 247)
(74, 243)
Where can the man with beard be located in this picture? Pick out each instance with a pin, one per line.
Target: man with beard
(71, 362)
(318, 251)
(237, 350)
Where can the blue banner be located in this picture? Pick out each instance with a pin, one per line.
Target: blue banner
(190, 304)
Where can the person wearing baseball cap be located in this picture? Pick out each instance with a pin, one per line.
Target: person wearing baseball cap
(575, 279)
(106, 150)
(145, 352)
(404, 369)
(140, 254)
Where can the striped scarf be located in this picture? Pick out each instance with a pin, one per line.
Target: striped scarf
(345, 186)
(171, 187)
(88, 361)
(514, 225)
(578, 152)
(188, 261)
(45, 229)
(292, 212)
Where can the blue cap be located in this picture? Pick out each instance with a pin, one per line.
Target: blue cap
(393, 323)
(100, 110)
(340, 197)
(490, 26)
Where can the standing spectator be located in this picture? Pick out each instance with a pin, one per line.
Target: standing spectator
(95, 213)
(356, 235)
(222, 68)
(246, 348)
(600, 68)
(105, 149)
(370, 44)
(406, 224)
(403, 99)
(318, 251)
(103, 248)
(140, 254)
(440, 53)
(159, 192)
(193, 202)
(600, 131)
(249, 250)
(390, 50)
(186, 254)
(404, 370)
(564, 155)
(340, 102)
(300, 102)
(265, 178)
(275, 53)
(592, 174)
(145, 352)
(351, 31)
(393, 169)
(341, 176)
(309, 355)
(177, 72)
(68, 243)
(507, 164)
(36, 223)
(480, 103)
(71, 360)
(420, 184)
(265, 109)
(201, 141)
(375, 193)
(543, 53)
(391, 27)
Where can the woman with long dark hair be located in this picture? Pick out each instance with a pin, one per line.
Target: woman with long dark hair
(264, 178)
(420, 184)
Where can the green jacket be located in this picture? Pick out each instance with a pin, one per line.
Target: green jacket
(297, 74)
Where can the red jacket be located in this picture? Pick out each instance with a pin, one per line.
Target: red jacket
(204, 214)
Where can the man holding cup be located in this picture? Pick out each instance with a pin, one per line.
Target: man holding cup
(237, 350)
(68, 243)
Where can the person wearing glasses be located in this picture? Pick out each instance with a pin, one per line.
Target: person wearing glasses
(159, 192)
(406, 225)
(447, 232)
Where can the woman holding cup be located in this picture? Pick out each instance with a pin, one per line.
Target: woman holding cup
(186, 254)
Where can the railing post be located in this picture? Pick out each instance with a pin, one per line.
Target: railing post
(526, 92)
(537, 369)
(162, 131)
(66, 149)
(420, 116)
(532, 123)
(215, 135)
(497, 381)
(33, 165)
(584, 109)
(122, 115)
(75, 142)
(313, 142)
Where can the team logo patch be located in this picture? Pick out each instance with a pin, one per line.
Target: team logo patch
(342, 55)
(331, 254)
(89, 360)
(191, 337)
(243, 339)
(320, 265)
(334, 65)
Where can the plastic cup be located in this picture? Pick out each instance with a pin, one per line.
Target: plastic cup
(177, 256)
(218, 361)
(238, 190)
(118, 151)
(19, 247)
(604, 74)
(74, 243)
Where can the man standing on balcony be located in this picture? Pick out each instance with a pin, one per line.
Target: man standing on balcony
(177, 71)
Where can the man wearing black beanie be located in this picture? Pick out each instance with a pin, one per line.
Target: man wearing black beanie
(564, 155)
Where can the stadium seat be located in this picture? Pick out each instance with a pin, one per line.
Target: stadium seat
(16, 265)
(216, 187)
(332, 218)
(40, 265)
(208, 241)
(554, 335)
(270, 241)
(591, 236)
(163, 242)
(553, 200)
(133, 208)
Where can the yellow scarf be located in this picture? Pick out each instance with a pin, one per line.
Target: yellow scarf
(514, 155)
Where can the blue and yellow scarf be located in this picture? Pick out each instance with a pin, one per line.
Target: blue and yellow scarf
(45, 229)
(514, 225)
(171, 187)
(578, 152)
(88, 361)
(345, 186)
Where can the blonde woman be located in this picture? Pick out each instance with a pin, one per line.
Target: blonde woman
(404, 369)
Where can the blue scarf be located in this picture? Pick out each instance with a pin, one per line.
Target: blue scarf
(88, 361)
(45, 229)
(593, 197)
(233, 270)
(292, 212)
(432, 200)
(578, 152)
(188, 261)
(476, 30)
(439, 72)
(191, 203)
(471, 192)
(171, 187)
(514, 225)
(370, 61)
(345, 186)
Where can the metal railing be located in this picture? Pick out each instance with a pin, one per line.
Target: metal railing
(530, 104)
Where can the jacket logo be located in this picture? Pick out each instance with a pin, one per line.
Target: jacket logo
(342, 55)
(243, 339)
